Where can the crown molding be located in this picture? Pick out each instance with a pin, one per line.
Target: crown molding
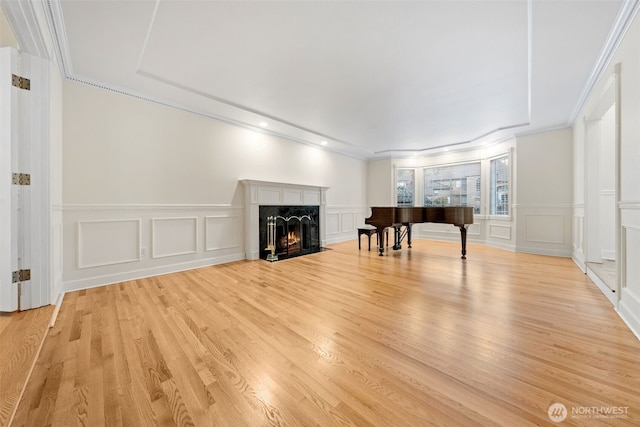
(625, 17)
(53, 10)
(628, 11)
(23, 18)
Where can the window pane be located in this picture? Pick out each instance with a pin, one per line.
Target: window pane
(456, 185)
(500, 186)
(405, 186)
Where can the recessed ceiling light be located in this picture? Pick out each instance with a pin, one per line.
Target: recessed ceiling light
(323, 142)
(264, 124)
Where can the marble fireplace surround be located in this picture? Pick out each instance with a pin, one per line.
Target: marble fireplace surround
(278, 194)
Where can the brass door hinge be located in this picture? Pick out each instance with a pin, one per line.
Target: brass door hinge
(21, 179)
(21, 276)
(21, 82)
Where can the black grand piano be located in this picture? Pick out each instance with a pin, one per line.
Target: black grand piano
(402, 218)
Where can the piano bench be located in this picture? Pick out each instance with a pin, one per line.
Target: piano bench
(369, 231)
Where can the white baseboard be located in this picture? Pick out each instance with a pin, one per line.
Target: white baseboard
(93, 282)
(611, 296)
(506, 247)
(544, 251)
(629, 311)
(608, 255)
(579, 261)
(56, 310)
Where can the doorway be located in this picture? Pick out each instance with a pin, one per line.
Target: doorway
(602, 221)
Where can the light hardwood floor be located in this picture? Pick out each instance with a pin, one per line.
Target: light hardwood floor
(341, 338)
(21, 335)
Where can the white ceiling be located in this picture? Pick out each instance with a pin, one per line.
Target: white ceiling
(372, 78)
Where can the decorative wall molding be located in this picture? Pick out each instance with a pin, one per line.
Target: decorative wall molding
(222, 232)
(125, 207)
(347, 222)
(629, 310)
(332, 223)
(544, 228)
(622, 24)
(544, 206)
(24, 17)
(174, 236)
(500, 231)
(121, 276)
(92, 235)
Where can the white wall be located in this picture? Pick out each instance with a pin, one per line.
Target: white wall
(7, 38)
(149, 189)
(627, 58)
(543, 211)
(380, 188)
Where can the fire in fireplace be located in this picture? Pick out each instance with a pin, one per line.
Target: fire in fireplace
(288, 231)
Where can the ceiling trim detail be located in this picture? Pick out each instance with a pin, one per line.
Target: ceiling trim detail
(24, 23)
(628, 11)
(53, 12)
(59, 35)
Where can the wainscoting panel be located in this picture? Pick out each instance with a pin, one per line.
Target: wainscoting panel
(544, 228)
(108, 242)
(343, 221)
(630, 296)
(174, 236)
(629, 305)
(577, 236)
(126, 242)
(333, 224)
(347, 222)
(578, 232)
(223, 232)
(500, 231)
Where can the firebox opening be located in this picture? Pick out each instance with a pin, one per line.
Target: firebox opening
(288, 231)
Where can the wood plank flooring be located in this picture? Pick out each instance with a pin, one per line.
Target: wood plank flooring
(341, 338)
(21, 335)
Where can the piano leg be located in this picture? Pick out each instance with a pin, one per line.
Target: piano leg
(409, 234)
(397, 237)
(463, 238)
(380, 236)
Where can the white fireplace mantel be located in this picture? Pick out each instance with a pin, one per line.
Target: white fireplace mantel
(277, 193)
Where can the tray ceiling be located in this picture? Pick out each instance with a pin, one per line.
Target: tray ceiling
(371, 78)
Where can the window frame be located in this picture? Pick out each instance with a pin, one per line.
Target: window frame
(480, 191)
(509, 191)
(396, 181)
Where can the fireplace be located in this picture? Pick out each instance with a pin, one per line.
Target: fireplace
(290, 230)
(277, 195)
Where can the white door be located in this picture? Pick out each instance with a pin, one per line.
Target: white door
(8, 195)
(23, 211)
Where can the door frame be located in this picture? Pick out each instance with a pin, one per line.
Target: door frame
(591, 232)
